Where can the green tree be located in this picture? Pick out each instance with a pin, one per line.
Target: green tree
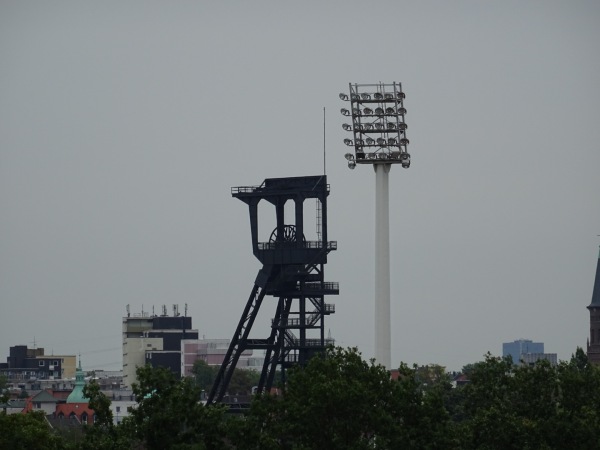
(577, 423)
(100, 403)
(28, 432)
(3, 389)
(339, 401)
(204, 374)
(242, 381)
(532, 407)
(421, 409)
(169, 414)
(102, 434)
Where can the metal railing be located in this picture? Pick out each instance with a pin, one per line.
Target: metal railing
(331, 245)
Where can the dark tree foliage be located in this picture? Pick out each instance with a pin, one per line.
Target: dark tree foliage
(169, 414)
(28, 432)
(3, 389)
(339, 401)
(204, 374)
(102, 434)
(241, 383)
(532, 407)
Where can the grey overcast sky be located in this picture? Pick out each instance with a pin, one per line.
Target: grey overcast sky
(123, 126)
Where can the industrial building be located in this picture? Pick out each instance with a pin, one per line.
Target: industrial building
(155, 340)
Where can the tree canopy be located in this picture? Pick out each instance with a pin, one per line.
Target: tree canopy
(340, 401)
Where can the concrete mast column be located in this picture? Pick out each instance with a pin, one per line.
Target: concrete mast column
(383, 339)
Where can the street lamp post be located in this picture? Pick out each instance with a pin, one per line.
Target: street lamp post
(379, 139)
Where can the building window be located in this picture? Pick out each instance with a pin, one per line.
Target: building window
(55, 362)
(41, 362)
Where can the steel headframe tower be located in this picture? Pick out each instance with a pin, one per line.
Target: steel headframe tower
(293, 273)
(379, 139)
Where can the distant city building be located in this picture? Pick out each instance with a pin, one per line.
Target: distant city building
(31, 365)
(524, 351)
(212, 351)
(154, 340)
(593, 344)
(519, 347)
(531, 358)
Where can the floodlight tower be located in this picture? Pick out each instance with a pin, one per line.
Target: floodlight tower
(379, 139)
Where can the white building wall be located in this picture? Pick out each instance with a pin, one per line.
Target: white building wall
(134, 355)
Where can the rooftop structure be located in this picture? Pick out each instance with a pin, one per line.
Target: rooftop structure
(155, 340)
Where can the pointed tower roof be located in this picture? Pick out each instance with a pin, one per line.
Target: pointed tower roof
(596, 293)
(76, 396)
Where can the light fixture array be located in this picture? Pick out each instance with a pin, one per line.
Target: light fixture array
(378, 126)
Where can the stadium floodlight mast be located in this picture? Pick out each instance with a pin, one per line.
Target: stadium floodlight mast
(379, 138)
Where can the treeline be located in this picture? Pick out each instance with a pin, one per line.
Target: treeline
(340, 401)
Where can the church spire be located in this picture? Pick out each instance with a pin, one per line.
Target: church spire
(593, 348)
(596, 292)
(76, 395)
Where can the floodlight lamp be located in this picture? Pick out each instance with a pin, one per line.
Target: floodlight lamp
(354, 97)
(404, 141)
(405, 156)
(347, 127)
(360, 142)
(345, 112)
(343, 96)
(379, 125)
(389, 96)
(390, 110)
(348, 142)
(365, 96)
(402, 126)
(401, 111)
(349, 156)
(352, 165)
(379, 111)
(370, 141)
(391, 126)
(378, 96)
(381, 141)
(368, 126)
(391, 141)
(356, 112)
(400, 94)
(358, 127)
(368, 111)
